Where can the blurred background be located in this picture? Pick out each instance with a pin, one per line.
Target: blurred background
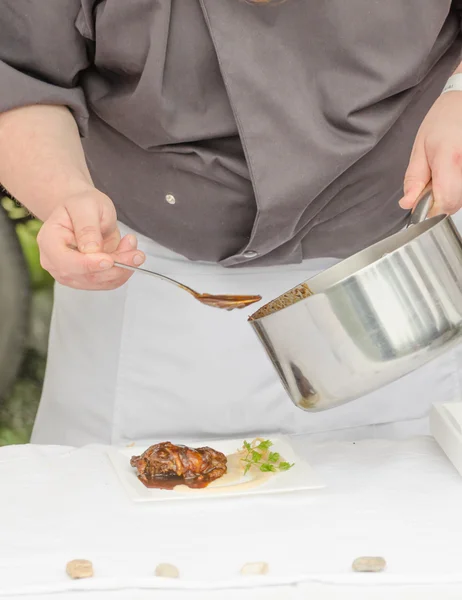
(26, 299)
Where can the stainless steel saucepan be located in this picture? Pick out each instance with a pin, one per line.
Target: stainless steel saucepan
(370, 319)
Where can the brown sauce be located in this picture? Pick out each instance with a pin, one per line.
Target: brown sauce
(228, 302)
(169, 483)
(293, 296)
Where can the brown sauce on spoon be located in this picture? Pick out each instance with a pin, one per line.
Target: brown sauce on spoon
(227, 302)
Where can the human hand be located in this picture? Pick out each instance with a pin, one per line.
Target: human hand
(437, 157)
(80, 241)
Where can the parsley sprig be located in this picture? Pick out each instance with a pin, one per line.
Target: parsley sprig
(258, 454)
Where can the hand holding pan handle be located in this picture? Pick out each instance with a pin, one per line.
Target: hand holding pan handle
(422, 207)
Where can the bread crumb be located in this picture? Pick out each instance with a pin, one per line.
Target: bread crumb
(168, 571)
(369, 564)
(258, 568)
(79, 569)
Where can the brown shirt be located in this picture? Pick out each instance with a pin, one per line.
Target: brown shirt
(282, 132)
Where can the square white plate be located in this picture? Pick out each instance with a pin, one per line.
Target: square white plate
(300, 477)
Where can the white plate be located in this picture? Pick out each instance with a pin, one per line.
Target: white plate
(300, 477)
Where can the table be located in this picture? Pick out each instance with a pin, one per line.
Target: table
(400, 499)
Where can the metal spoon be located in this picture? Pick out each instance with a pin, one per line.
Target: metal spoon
(226, 301)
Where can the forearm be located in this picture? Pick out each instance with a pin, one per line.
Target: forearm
(41, 157)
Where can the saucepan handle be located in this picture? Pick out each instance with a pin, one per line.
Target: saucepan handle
(422, 207)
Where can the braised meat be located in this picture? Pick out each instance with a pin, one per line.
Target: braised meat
(166, 465)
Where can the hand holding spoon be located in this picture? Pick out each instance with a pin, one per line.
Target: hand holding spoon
(226, 301)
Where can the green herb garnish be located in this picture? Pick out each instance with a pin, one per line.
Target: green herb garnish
(274, 457)
(285, 466)
(267, 468)
(257, 454)
(265, 445)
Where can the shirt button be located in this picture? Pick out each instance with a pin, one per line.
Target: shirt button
(250, 254)
(170, 199)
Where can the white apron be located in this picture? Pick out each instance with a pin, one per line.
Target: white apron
(148, 362)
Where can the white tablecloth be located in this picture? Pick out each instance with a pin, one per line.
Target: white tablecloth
(398, 499)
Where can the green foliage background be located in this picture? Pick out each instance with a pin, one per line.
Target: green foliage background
(18, 409)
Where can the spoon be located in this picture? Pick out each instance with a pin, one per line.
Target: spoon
(226, 301)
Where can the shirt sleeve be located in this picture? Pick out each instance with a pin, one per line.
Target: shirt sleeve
(42, 55)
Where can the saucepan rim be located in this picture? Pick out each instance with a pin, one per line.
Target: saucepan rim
(403, 238)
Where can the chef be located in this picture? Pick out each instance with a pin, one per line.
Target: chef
(239, 147)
